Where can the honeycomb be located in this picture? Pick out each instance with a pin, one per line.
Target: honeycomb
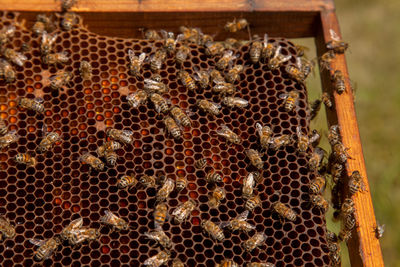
(41, 200)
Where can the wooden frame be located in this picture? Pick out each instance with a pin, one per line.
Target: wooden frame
(288, 18)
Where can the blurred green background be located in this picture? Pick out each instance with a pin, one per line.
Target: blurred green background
(373, 30)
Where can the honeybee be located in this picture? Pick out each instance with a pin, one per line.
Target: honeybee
(152, 35)
(182, 212)
(180, 116)
(14, 56)
(172, 128)
(326, 99)
(107, 147)
(252, 202)
(317, 185)
(277, 142)
(157, 59)
(338, 82)
(345, 231)
(192, 35)
(296, 72)
(316, 158)
(67, 4)
(205, 39)
(229, 135)
(347, 208)
(177, 263)
(85, 70)
(334, 251)
(224, 88)
(61, 79)
(337, 45)
(216, 76)
(320, 202)
(255, 51)
(56, 58)
(111, 158)
(26, 159)
(213, 177)
(6, 71)
(93, 161)
(137, 98)
(379, 230)
(82, 235)
(209, 107)
(45, 247)
(334, 134)
(9, 138)
(161, 258)
(255, 158)
(6, 34)
(239, 223)
(336, 197)
(148, 181)
(300, 50)
(260, 264)
(114, 221)
(69, 20)
(291, 100)
(314, 138)
(339, 152)
(169, 41)
(278, 59)
(214, 48)
(181, 54)
(233, 102)
(165, 190)
(160, 215)
(180, 183)
(336, 170)
(127, 181)
(225, 60)
(255, 241)
(73, 225)
(315, 106)
(160, 103)
(123, 136)
(231, 43)
(6, 229)
(303, 142)
(248, 185)
(155, 85)
(356, 183)
(265, 134)
(326, 60)
(160, 237)
(3, 127)
(234, 73)
(135, 62)
(227, 263)
(236, 25)
(213, 230)
(42, 25)
(32, 104)
(268, 49)
(284, 212)
(307, 66)
(47, 42)
(48, 141)
(216, 197)
(187, 80)
(201, 163)
(202, 77)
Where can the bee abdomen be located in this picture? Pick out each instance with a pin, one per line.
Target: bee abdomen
(213, 177)
(201, 163)
(111, 158)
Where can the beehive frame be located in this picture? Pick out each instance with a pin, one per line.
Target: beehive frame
(279, 18)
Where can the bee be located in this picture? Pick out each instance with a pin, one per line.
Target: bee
(334, 250)
(216, 76)
(201, 163)
(314, 138)
(315, 106)
(172, 127)
(42, 25)
(336, 170)
(180, 183)
(268, 49)
(326, 59)
(326, 99)
(379, 230)
(255, 158)
(192, 35)
(107, 147)
(320, 202)
(291, 100)
(202, 77)
(300, 50)
(205, 39)
(229, 135)
(336, 197)
(248, 186)
(152, 35)
(255, 241)
(180, 117)
(224, 88)
(6, 229)
(209, 107)
(48, 141)
(334, 135)
(169, 41)
(148, 181)
(239, 223)
(160, 215)
(93, 161)
(157, 59)
(303, 142)
(233, 102)
(252, 202)
(233, 74)
(338, 82)
(307, 66)
(3, 127)
(255, 51)
(6, 71)
(127, 181)
(214, 48)
(160, 237)
(160, 103)
(25, 158)
(213, 177)
(345, 231)
(111, 158)
(6, 34)
(56, 58)
(137, 98)
(213, 230)
(265, 134)
(161, 258)
(155, 85)
(317, 185)
(337, 45)
(260, 264)
(47, 42)
(231, 43)
(227, 263)
(187, 80)
(72, 226)
(69, 20)
(340, 153)
(234, 26)
(277, 142)
(165, 190)
(45, 247)
(67, 4)
(182, 54)
(9, 138)
(216, 197)
(347, 208)
(123, 136)
(135, 62)
(316, 158)
(182, 212)
(82, 235)
(177, 263)
(278, 59)
(61, 79)
(85, 70)
(284, 211)
(14, 56)
(225, 60)
(114, 221)
(356, 183)
(296, 72)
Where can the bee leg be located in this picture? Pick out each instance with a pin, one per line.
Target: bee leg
(249, 32)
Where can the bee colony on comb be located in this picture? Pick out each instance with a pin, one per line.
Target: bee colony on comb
(171, 150)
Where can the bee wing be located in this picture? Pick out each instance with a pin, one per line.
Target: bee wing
(38, 99)
(287, 58)
(224, 224)
(223, 130)
(265, 42)
(113, 217)
(283, 96)
(142, 57)
(164, 34)
(127, 132)
(259, 128)
(334, 35)
(298, 62)
(131, 55)
(37, 242)
(153, 261)
(243, 216)
(180, 37)
(277, 51)
(76, 224)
